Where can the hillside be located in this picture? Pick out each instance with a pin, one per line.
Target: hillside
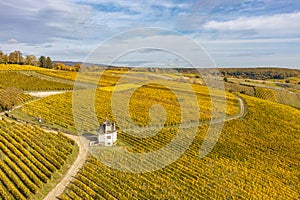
(31, 160)
(26, 82)
(256, 157)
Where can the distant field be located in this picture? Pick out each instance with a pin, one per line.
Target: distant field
(15, 67)
(31, 159)
(57, 109)
(278, 95)
(255, 158)
(108, 77)
(27, 82)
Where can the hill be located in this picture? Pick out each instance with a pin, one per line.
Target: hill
(256, 157)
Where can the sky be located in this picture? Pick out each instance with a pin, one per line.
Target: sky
(229, 33)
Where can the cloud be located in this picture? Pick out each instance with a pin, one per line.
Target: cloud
(276, 25)
(69, 30)
(12, 41)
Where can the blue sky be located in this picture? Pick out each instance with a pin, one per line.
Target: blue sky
(234, 33)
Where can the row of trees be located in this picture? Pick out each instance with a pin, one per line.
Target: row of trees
(260, 73)
(16, 57)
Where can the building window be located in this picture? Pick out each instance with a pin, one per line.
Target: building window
(108, 137)
(108, 144)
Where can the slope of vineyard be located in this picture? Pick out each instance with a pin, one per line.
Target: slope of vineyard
(16, 67)
(265, 93)
(25, 82)
(29, 159)
(235, 87)
(108, 77)
(276, 95)
(57, 109)
(288, 98)
(23, 97)
(256, 157)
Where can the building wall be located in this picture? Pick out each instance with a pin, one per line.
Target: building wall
(108, 139)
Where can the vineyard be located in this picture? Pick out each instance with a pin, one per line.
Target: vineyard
(57, 109)
(29, 159)
(108, 77)
(16, 67)
(255, 158)
(275, 95)
(265, 93)
(23, 97)
(27, 82)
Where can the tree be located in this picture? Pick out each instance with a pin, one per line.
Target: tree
(42, 61)
(5, 58)
(9, 98)
(77, 67)
(225, 79)
(59, 66)
(16, 57)
(48, 63)
(31, 60)
(2, 57)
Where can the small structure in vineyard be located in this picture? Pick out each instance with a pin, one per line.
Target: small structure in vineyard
(107, 134)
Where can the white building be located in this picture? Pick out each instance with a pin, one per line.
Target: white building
(107, 134)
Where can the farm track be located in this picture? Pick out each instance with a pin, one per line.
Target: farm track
(79, 162)
(83, 153)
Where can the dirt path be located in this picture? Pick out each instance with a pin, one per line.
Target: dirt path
(79, 162)
(42, 94)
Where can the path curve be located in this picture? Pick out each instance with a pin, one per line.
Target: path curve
(68, 177)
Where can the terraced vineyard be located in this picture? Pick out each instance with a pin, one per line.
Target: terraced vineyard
(26, 82)
(255, 158)
(29, 159)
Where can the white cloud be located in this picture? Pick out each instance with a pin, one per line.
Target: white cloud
(275, 25)
(12, 41)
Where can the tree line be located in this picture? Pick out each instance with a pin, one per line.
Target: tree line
(260, 73)
(16, 57)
